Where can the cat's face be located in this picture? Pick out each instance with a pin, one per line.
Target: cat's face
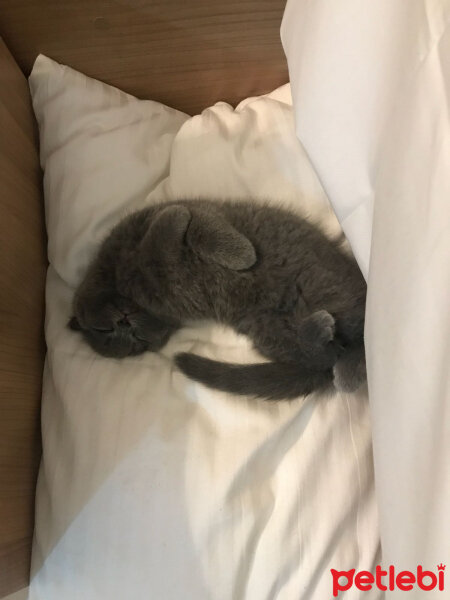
(117, 327)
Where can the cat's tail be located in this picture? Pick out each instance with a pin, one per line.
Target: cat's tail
(271, 380)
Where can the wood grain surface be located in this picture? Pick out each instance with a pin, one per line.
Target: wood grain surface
(22, 274)
(185, 53)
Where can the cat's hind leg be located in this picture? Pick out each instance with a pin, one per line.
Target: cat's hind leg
(316, 330)
(309, 342)
(315, 342)
(350, 370)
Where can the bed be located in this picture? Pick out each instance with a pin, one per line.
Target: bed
(203, 496)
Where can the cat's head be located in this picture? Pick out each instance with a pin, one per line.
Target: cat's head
(116, 327)
(113, 325)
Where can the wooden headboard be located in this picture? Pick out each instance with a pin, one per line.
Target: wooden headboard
(185, 53)
(22, 272)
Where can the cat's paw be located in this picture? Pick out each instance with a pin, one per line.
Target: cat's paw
(321, 326)
(316, 337)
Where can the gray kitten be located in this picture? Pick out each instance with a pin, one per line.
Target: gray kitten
(264, 271)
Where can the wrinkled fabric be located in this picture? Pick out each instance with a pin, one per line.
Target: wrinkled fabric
(152, 486)
(371, 89)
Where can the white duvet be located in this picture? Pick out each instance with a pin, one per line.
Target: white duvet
(371, 87)
(151, 486)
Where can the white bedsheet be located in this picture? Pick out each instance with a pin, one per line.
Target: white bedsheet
(152, 487)
(371, 88)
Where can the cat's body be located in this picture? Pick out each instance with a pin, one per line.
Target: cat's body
(264, 271)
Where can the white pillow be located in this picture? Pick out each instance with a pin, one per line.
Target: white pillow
(152, 486)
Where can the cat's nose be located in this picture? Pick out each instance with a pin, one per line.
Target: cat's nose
(123, 322)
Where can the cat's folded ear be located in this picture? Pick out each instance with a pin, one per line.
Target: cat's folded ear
(74, 324)
(205, 231)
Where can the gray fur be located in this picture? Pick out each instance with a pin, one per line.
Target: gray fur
(264, 271)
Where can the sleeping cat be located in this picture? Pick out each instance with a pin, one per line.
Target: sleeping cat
(264, 271)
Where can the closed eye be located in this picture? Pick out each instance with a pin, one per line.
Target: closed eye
(141, 339)
(103, 329)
